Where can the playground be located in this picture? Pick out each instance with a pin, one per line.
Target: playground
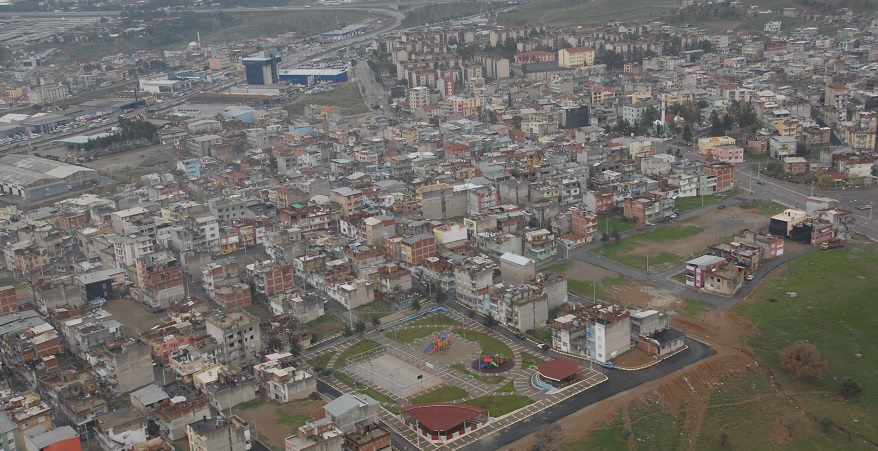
(493, 364)
(454, 349)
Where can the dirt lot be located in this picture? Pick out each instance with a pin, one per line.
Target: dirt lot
(718, 225)
(687, 390)
(133, 314)
(272, 423)
(586, 271)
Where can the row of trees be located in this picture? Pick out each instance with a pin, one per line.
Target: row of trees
(136, 131)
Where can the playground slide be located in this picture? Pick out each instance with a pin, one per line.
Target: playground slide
(482, 365)
(432, 350)
(495, 364)
(429, 347)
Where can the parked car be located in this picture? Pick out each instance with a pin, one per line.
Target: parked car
(864, 207)
(543, 346)
(608, 365)
(750, 277)
(721, 207)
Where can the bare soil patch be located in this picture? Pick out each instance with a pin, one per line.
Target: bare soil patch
(586, 271)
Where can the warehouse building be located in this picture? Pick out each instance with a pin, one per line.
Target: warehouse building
(34, 178)
(310, 77)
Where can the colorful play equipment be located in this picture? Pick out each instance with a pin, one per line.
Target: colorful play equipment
(495, 360)
(440, 343)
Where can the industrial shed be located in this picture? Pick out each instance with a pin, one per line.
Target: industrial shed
(35, 178)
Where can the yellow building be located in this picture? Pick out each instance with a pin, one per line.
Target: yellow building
(576, 57)
(705, 145)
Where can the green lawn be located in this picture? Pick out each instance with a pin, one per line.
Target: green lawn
(436, 318)
(558, 268)
(344, 95)
(379, 308)
(572, 12)
(763, 207)
(493, 380)
(500, 405)
(586, 288)
(445, 394)
(439, 13)
(406, 336)
(530, 359)
(251, 404)
(685, 204)
(610, 223)
(8, 281)
(608, 438)
(628, 252)
(357, 348)
(325, 326)
(835, 309)
(695, 308)
(655, 428)
(489, 344)
(508, 387)
(322, 360)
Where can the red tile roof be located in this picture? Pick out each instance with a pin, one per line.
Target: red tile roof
(559, 369)
(443, 416)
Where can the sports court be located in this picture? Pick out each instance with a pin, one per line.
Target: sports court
(396, 371)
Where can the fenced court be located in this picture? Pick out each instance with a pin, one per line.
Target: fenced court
(394, 370)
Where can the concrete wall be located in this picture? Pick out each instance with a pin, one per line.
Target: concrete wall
(134, 367)
(232, 395)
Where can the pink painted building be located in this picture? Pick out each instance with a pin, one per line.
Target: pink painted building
(728, 154)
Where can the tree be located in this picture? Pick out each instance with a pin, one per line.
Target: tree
(375, 320)
(616, 235)
(490, 321)
(687, 133)
(295, 347)
(347, 331)
(360, 325)
(516, 122)
(849, 388)
(825, 423)
(803, 360)
(416, 305)
(274, 344)
(716, 125)
(605, 238)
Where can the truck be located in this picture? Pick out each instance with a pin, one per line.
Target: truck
(831, 244)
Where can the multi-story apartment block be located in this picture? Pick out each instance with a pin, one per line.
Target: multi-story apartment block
(597, 332)
(350, 200)
(472, 277)
(576, 57)
(416, 249)
(238, 335)
(159, 280)
(539, 245)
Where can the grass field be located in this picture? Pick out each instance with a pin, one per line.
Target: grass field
(379, 308)
(610, 223)
(439, 13)
(573, 12)
(406, 336)
(656, 428)
(628, 252)
(763, 207)
(326, 326)
(357, 348)
(488, 344)
(322, 360)
(344, 95)
(558, 268)
(436, 319)
(8, 281)
(500, 405)
(530, 359)
(493, 380)
(607, 438)
(835, 309)
(246, 25)
(587, 288)
(445, 394)
(508, 387)
(695, 308)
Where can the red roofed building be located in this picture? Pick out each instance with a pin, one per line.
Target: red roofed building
(442, 422)
(559, 372)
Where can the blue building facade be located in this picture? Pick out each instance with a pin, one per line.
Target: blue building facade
(310, 77)
(261, 68)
